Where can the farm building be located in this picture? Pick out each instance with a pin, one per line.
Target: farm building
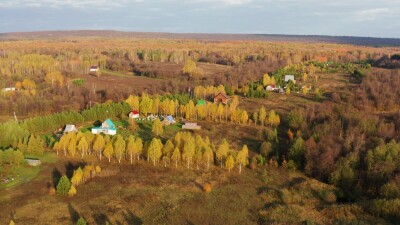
(201, 102)
(33, 162)
(134, 114)
(191, 126)
(8, 89)
(169, 120)
(70, 128)
(272, 87)
(290, 77)
(221, 98)
(107, 127)
(94, 69)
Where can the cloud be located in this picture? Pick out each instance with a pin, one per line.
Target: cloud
(65, 3)
(226, 2)
(370, 14)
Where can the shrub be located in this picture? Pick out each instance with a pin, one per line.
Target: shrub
(328, 196)
(253, 163)
(207, 188)
(384, 207)
(72, 191)
(291, 165)
(52, 190)
(78, 82)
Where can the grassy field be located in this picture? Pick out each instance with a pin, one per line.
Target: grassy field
(144, 194)
(24, 173)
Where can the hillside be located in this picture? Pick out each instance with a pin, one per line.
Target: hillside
(363, 41)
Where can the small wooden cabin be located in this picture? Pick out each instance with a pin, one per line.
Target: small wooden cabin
(221, 98)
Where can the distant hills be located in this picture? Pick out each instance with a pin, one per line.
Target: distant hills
(366, 41)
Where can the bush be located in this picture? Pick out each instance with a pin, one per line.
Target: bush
(291, 165)
(207, 188)
(78, 82)
(72, 191)
(388, 208)
(328, 196)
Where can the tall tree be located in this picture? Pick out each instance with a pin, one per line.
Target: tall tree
(230, 163)
(77, 177)
(83, 146)
(157, 128)
(242, 156)
(119, 147)
(99, 145)
(155, 150)
(262, 115)
(72, 146)
(130, 147)
(176, 156)
(222, 151)
(188, 151)
(109, 151)
(208, 155)
(138, 150)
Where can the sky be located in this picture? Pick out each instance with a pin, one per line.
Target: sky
(368, 18)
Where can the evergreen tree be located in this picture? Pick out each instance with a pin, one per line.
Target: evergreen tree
(81, 221)
(63, 185)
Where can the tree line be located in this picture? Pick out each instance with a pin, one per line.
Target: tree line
(183, 149)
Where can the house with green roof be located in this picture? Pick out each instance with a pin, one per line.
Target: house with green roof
(107, 127)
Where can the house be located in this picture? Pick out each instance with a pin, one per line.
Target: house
(201, 102)
(33, 162)
(191, 126)
(290, 77)
(272, 87)
(8, 89)
(221, 98)
(134, 114)
(70, 128)
(169, 120)
(107, 127)
(94, 69)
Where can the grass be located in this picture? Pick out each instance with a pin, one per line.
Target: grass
(114, 73)
(25, 173)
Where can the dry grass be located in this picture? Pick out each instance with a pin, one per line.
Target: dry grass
(143, 194)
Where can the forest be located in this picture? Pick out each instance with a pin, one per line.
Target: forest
(335, 129)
